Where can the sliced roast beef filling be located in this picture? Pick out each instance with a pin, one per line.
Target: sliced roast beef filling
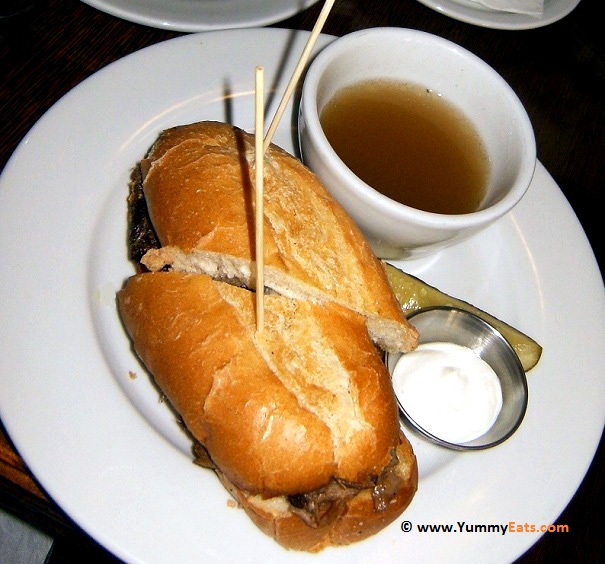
(141, 235)
(325, 505)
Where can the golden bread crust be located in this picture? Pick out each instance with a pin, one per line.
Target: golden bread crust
(199, 189)
(281, 412)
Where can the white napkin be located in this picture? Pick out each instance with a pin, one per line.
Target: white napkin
(20, 543)
(530, 7)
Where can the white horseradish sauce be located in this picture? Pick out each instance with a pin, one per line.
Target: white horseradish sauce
(448, 390)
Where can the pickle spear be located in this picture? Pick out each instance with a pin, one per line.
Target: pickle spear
(414, 294)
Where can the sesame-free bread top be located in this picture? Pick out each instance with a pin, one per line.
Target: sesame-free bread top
(280, 411)
(199, 188)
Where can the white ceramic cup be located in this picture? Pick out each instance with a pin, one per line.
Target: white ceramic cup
(395, 230)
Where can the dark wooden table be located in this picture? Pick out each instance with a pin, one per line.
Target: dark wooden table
(558, 71)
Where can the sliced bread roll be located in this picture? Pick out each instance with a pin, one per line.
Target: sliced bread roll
(299, 420)
(199, 188)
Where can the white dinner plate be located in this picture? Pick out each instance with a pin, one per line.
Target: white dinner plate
(202, 15)
(474, 13)
(91, 427)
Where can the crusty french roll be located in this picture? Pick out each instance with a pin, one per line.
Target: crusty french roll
(300, 419)
(198, 185)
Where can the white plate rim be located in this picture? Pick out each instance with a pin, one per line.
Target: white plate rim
(464, 11)
(202, 15)
(46, 422)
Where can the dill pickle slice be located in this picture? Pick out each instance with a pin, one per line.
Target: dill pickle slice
(413, 294)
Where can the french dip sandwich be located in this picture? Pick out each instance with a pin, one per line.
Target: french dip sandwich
(299, 419)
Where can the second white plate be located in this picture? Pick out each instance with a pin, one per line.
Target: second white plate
(201, 15)
(474, 13)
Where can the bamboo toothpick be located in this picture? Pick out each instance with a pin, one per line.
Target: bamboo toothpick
(261, 146)
(321, 20)
(259, 182)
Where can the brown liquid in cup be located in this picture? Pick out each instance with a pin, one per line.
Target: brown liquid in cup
(409, 144)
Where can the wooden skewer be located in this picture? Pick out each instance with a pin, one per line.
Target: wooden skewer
(321, 20)
(261, 146)
(259, 183)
